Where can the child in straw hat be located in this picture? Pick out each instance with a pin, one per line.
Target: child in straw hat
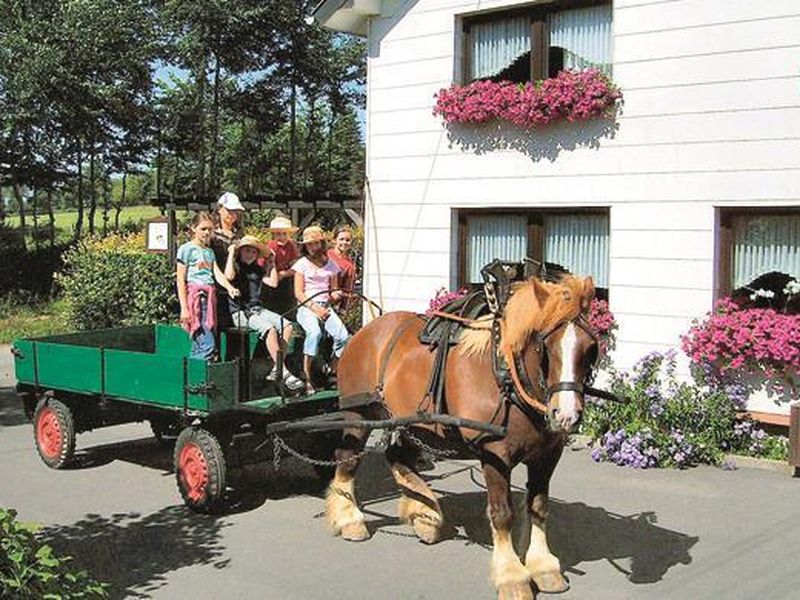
(286, 253)
(248, 276)
(316, 287)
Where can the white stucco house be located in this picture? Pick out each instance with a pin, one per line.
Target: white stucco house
(694, 192)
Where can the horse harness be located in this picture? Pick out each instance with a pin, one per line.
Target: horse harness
(516, 388)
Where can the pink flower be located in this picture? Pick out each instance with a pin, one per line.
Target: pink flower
(570, 96)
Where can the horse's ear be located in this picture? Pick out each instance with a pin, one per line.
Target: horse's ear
(588, 293)
(540, 293)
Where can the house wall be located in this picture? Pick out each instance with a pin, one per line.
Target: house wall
(711, 119)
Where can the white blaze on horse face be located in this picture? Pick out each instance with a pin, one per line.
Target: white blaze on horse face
(568, 404)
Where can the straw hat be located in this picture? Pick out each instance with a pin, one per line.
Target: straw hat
(253, 242)
(282, 224)
(314, 233)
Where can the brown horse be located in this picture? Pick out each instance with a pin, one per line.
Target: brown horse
(544, 329)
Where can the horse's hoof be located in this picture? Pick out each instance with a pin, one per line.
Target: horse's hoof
(551, 582)
(515, 591)
(428, 530)
(355, 532)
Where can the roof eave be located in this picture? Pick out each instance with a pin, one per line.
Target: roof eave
(347, 16)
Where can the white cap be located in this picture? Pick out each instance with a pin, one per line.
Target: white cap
(230, 201)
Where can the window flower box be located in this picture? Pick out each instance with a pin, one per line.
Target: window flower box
(569, 96)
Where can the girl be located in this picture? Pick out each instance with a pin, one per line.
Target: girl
(242, 268)
(196, 272)
(340, 254)
(315, 273)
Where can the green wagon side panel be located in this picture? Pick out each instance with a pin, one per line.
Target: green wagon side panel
(196, 373)
(69, 368)
(225, 391)
(150, 378)
(254, 339)
(23, 365)
(172, 340)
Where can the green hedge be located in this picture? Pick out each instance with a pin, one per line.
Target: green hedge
(26, 273)
(113, 282)
(30, 569)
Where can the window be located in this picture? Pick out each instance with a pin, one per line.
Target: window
(539, 41)
(757, 242)
(576, 239)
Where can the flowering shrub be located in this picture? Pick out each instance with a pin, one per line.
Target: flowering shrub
(569, 96)
(670, 423)
(732, 343)
(442, 297)
(602, 321)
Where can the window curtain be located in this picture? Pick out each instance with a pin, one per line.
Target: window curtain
(764, 244)
(585, 36)
(578, 243)
(497, 44)
(494, 236)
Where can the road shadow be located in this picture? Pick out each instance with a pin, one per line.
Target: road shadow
(11, 411)
(254, 483)
(145, 452)
(578, 533)
(135, 553)
(254, 477)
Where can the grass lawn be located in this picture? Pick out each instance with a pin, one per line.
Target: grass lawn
(66, 220)
(31, 321)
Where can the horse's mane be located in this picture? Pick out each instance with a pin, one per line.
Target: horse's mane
(522, 317)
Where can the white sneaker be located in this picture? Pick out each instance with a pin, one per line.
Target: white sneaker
(273, 375)
(291, 382)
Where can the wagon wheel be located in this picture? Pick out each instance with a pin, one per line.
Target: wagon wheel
(165, 430)
(54, 432)
(200, 470)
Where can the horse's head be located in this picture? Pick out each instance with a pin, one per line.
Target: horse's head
(564, 343)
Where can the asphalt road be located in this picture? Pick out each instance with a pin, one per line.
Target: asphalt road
(620, 533)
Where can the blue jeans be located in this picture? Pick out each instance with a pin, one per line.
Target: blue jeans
(203, 341)
(311, 324)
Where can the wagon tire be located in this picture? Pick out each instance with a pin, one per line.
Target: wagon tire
(200, 470)
(54, 432)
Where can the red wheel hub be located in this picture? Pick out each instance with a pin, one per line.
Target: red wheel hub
(194, 471)
(48, 433)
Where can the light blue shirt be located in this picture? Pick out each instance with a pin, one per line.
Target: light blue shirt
(199, 263)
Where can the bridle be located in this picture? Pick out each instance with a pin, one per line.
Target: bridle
(544, 365)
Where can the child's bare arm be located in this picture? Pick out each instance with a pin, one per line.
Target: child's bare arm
(230, 266)
(183, 296)
(271, 277)
(220, 277)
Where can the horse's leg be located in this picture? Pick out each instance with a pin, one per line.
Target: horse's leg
(344, 516)
(509, 575)
(544, 567)
(418, 506)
